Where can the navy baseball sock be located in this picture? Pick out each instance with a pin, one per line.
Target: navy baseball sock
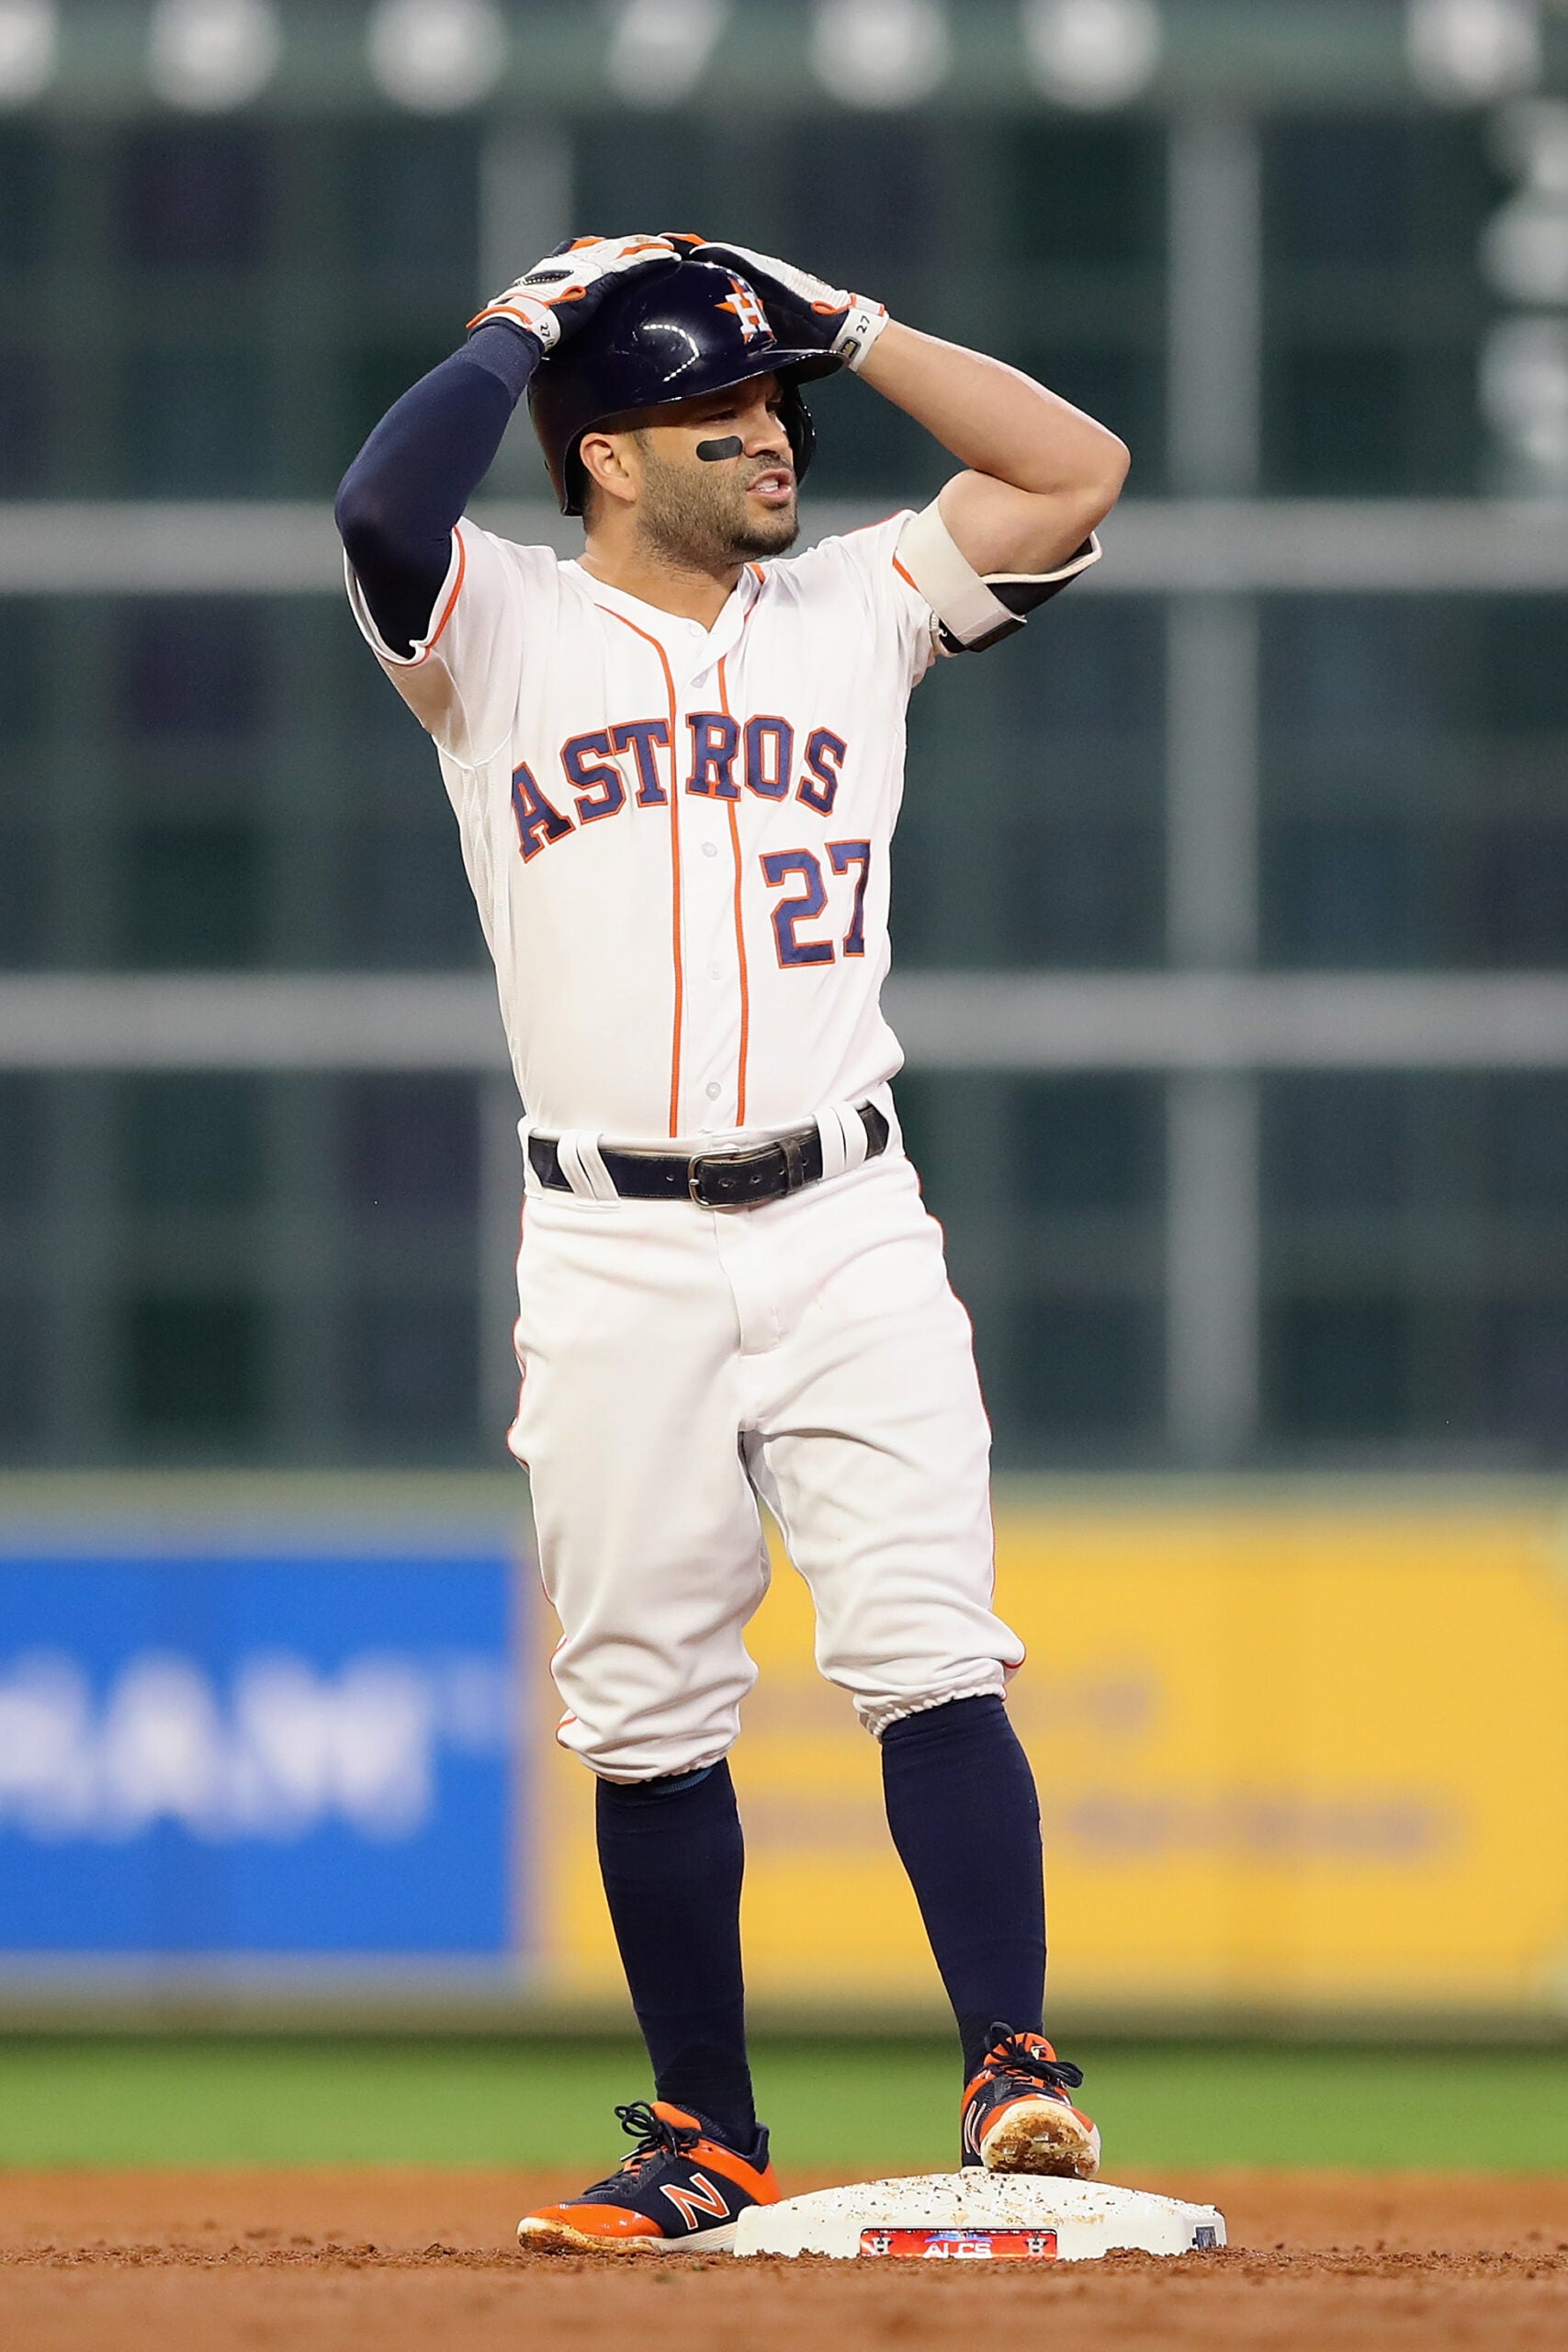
(671, 1858)
(964, 1817)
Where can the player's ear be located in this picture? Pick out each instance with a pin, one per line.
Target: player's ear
(603, 458)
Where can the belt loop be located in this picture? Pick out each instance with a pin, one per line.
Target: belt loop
(582, 1165)
(598, 1175)
(835, 1140)
(856, 1140)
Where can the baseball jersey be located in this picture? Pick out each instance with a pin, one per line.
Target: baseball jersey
(678, 837)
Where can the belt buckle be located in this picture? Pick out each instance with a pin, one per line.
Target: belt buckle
(751, 1156)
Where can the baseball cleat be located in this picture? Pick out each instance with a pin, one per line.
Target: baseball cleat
(1017, 2114)
(680, 2191)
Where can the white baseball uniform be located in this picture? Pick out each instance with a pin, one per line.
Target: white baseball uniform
(678, 839)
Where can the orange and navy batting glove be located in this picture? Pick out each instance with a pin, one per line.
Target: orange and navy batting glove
(554, 298)
(803, 311)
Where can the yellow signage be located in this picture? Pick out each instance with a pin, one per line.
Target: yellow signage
(1313, 1755)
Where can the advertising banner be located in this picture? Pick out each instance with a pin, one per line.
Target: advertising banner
(1298, 1750)
(268, 1756)
(1295, 1753)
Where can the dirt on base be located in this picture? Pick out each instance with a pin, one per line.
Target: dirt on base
(401, 2261)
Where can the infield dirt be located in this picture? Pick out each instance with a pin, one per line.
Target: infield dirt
(389, 2261)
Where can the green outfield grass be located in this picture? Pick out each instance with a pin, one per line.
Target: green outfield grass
(856, 2107)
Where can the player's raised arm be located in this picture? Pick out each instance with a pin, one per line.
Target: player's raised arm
(401, 500)
(1041, 475)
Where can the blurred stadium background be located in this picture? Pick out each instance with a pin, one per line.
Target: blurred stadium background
(1231, 960)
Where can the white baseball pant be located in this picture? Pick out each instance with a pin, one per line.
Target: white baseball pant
(678, 1363)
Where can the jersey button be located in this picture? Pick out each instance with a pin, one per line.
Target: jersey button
(715, 971)
(713, 1091)
(710, 849)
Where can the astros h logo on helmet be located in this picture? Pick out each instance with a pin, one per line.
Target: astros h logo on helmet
(748, 309)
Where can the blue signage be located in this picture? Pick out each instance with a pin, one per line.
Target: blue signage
(227, 1755)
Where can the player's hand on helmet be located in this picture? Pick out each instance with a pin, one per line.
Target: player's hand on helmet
(559, 294)
(803, 311)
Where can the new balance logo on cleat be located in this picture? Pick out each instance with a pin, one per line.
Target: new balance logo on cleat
(682, 2189)
(1018, 2116)
(698, 2198)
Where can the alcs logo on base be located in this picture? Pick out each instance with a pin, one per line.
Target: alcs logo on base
(961, 2245)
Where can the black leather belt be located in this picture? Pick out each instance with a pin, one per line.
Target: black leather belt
(742, 1179)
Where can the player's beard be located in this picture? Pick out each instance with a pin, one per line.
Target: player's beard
(696, 518)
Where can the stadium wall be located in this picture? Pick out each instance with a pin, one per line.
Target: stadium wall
(1302, 1753)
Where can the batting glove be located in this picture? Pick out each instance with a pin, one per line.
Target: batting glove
(802, 310)
(559, 294)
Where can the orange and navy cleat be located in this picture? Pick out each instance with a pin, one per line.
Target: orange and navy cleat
(1017, 2114)
(680, 2191)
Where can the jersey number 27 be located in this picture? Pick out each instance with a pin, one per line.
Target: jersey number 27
(781, 865)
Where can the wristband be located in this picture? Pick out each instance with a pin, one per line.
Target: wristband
(863, 323)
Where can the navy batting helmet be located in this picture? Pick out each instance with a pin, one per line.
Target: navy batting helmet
(672, 337)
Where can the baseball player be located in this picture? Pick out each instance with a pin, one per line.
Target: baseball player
(676, 762)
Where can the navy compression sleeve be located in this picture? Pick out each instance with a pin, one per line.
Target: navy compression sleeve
(400, 499)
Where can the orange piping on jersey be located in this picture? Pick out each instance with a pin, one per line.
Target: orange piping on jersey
(904, 575)
(448, 608)
(680, 968)
(740, 928)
